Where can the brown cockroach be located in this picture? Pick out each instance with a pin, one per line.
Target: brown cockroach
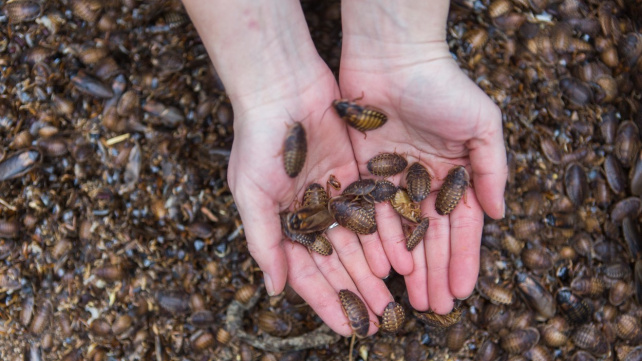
(575, 309)
(406, 208)
(308, 219)
(417, 234)
(355, 310)
(356, 215)
(393, 317)
(452, 190)
(361, 188)
(439, 321)
(387, 164)
(384, 191)
(321, 245)
(362, 118)
(315, 195)
(418, 182)
(295, 149)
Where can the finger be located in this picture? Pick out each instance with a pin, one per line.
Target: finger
(374, 291)
(375, 255)
(438, 258)
(466, 224)
(417, 280)
(488, 161)
(306, 279)
(393, 238)
(263, 234)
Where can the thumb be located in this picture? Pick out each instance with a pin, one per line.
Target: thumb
(263, 234)
(488, 161)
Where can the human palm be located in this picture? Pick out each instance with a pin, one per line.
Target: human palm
(439, 118)
(262, 189)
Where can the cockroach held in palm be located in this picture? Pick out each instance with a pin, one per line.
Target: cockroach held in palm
(452, 190)
(362, 118)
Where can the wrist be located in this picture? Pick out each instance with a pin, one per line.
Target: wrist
(408, 30)
(262, 51)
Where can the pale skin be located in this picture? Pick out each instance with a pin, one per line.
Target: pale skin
(265, 57)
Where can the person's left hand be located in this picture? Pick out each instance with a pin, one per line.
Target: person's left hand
(440, 118)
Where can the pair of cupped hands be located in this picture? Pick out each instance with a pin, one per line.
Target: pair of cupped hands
(436, 116)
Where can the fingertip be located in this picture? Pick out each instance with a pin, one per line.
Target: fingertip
(443, 307)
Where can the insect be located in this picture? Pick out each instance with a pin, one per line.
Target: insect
(387, 164)
(321, 245)
(496, 293)
(418, 182)
(295, 149)
(332, 182)
(440, 321)
(393, 317)
(417, 234)
(405, 207)
(315, 195)
(384, 191)
(19, 164)
(452, 190)
(309, 219)
(575, 309)
(362, 118)
(361, 188)
(353, 214)
(357, 313)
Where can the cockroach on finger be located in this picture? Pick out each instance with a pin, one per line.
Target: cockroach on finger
(357, 313)
(452, 190)
(417, 235)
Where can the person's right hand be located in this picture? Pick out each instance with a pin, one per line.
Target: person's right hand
(262, 189)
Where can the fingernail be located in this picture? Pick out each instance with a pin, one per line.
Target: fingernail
(268, 284)
(503, 209)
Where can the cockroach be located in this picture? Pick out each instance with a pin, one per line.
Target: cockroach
(453, 189)
(417, 234)
(536, 295)
(321, 245)
(202, 319)
(393, 317)
(361, 188)
(309, 219)
(406, 208)
(295, 149)
(418, 182)
(89, 85)
(362, 118)
(384, 191)
(440, 321)
(22, 10)
(305, 239)
(315, 195)
(41, 318)
(456, 336)
(19, 164)
(353, 214)
(521, 340)
(355, 310)
(387, 164)
(202, 341)
(332, 182)
(494, 292)
(575, 309)
(590, 338)
(275, 324)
